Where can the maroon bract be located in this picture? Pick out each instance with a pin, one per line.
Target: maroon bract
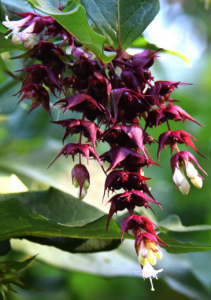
(41, 74)
(161, 92)
(127, 104)
(171, 138)
(82, 103)
(126, 180)
(137, 224)
(73, 149)
(88, 129)
(118, 156)
(137, 75)
(129, 200)
(149, 238)
(126, 136)
(170, 112)
(99, 87)
(37, 94)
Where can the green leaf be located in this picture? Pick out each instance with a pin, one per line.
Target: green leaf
(19, 6)
(18, 220)
(179, 247)
(121, 22)
(57, 206)
(173, 223)
(75, 21)
(6, 45)
(16, 264)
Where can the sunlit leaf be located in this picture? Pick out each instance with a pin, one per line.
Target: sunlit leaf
(173, 223)
(75, 21)
(121, 22)
(179, 247)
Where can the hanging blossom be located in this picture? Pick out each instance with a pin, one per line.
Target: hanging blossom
(184, 160)
(27, 36)
(148, 252)
(146, 244)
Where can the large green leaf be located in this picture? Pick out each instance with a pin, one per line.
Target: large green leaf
(179, 247)
(18, 220)
(121, 22)
(75, 21)
(52, 213)
(57, 207)
(173, 223)
(6, 45)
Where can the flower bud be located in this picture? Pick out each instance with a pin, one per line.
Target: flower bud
(81, 179)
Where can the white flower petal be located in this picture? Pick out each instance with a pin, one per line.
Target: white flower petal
(178, 176)
(148, 272)
(191, 170)
(15, 25)
(16, 39)
(197, 181)
(184, 187)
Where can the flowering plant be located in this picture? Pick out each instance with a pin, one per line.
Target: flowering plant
(104, 95)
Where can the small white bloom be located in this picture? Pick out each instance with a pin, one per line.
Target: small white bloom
(28, 36)
(15, 26)
(148, 272)
(180, 179)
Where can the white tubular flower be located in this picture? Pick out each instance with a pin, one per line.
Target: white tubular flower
(178, 162)
(28, 36)
(178, 175)
(15, 26)
(148, 272)
(148, 253)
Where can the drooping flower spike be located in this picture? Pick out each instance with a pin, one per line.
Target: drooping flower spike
(148, 251)
(120, 96)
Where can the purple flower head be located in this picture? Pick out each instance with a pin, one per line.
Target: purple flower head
(49, 55)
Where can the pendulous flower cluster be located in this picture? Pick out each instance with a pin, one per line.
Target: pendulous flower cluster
(113, 100)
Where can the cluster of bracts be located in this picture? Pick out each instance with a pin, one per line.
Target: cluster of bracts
(113, 96)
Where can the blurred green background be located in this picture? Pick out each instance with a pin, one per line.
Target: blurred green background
(30, 143)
